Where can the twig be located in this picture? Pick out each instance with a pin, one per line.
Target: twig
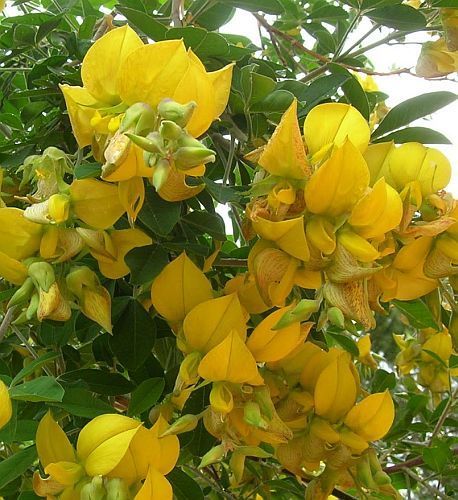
(432, 490)
(413, 462)
(6, 322)
(29, 348)
(231, 263)
(176, 13)
(443, 416)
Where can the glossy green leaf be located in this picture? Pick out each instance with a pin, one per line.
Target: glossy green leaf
(146, 395)
(38, 389)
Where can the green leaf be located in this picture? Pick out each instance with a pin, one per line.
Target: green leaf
(383, 380)
(146, 395)
(53, 333)
(267, 6)
(159, 215)
(31, 367)
(134, 335)
(144, 22)
(437, 456)
(415, 134)
(412, 109)
(206, 223)
(400, 17)
(145, 263)
(100, 381)
(213, 17)
(20, 430)
(82, 403)
(38, 389)
(87, 170)
(417, 313)
(184, 486)
(16, 465)
(342, 340)
(276, 102)
(219, 192)
(201, 41)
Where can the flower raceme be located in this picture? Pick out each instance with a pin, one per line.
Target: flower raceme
(113, 453)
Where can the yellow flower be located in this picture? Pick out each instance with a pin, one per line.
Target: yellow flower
(440, 344)
(110, 249)
(289, 235)
(269, 345)
(6, 409)
(209, 322)
(284, 155)
(333, 124)
(19, 237)
(179, 287)
(96, 203)
(321, 233)
(436, 59)
(335, 390)
(245, 287)
(113, 73)
(230, 361)
(372, 417)
(339, 183)
(364, 348)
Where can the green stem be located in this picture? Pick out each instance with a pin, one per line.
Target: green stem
(352, 24)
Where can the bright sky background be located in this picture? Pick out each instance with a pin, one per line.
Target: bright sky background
(398, 87)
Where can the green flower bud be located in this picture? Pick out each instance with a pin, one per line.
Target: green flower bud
(170, 130)
(42, 275)
(139, 117)
(382, 478)
(302, 312)
(32, 309)
(252, 415)
(22, 294)
(212, 456)
(175, 112)
(189, 157)
(93, 490)
(116, 489)
(161, 173)
(185, 423)
(188, 368)
(153, 143)
(336, 317)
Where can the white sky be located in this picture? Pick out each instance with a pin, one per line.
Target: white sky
(398, 87)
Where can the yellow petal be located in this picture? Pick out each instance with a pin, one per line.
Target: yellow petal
(221, 399)
(155, 487)
(335, 390)
(132, 196)
(80, 112)
(175, 187)
(101, 429)
(196, 86)
(52, 442)
(334, 123)
(207, 324)
(372, 417)
(66, 473)
(320, 232)
(245, 287)
(96, 203)
(180, 286)
(289, 235)
(414, 162)
(377, 157)
(360, 248)
(96, 305)
(103, 64)
(221, 81)
(19, 237)
(6, 409)
(268, 345)
(165, 450)
(12, 270)
(123, 241)
(284, 155)
(167, 62)
(230, 361)
(339, 183)
(440, 344)
(378, 212)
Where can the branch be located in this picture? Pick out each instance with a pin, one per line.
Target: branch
(176, 13)
(408, 464)
(443, 416)
(6, 322)
(231, 263)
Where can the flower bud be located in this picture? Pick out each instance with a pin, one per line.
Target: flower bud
(186, 423)
(189, 157)
(170, 130)
(188, 368)
(59, 208)
(221, 398)
(93, 490)
(139, 117)
(252, 415)
(116, 489)
(161, 173)
(212, 456)
(336, 317)
(152, 143)
(302, 312)
(32, 308)
(175, 112)
(6, 409)
(42, 275)
(22, 294)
